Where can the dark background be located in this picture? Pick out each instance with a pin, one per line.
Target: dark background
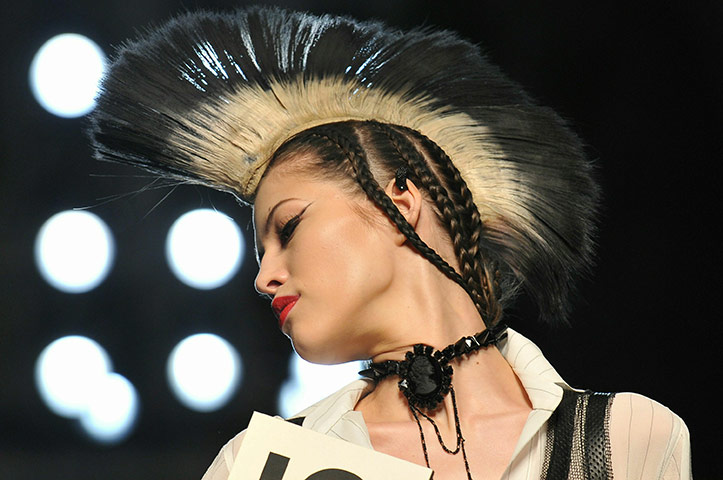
(639, 82)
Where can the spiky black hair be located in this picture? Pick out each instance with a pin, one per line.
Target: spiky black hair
(208, 97)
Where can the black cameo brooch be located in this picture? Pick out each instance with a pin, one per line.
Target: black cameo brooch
(426, 377)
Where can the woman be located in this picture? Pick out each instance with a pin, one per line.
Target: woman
(404, 192)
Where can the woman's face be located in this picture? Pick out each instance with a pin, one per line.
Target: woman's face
(312, 243)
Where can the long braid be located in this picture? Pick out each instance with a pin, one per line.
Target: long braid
(357, 157)
(451, 215)
(467, 209)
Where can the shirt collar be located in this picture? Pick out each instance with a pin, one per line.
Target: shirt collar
(539, 378)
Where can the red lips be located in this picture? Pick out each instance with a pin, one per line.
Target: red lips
(282, 306)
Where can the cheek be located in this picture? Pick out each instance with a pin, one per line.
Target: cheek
(343, 270)
(346, 259)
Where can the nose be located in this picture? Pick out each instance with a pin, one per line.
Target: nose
(272, 274)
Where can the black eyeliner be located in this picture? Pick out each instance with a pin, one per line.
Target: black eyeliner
(287, 229)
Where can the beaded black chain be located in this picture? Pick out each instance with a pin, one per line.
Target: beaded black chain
(426, 377)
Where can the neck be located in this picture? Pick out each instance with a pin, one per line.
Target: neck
(429, 309)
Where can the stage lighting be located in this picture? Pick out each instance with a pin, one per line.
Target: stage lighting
(112, 409)
(310, 382)
(67, 372)
(204, 371)
(74, 251)
(64, 75)
(204, 248)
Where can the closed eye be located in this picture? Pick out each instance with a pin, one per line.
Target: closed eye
(287, 230)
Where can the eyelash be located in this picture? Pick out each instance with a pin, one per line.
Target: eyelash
(287, 229)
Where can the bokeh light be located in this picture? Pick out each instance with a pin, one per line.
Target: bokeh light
(310, 382)
(65, 73)
(204, 248)
(67, 371)
(204, 371)
(74, 251)
(74, 378)
(112, 409)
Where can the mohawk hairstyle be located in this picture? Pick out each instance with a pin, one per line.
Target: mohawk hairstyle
(208, 98)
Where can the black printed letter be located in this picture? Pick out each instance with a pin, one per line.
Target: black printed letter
(275, 467)
(332, 474)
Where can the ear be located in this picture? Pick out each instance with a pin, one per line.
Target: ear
(409, 202)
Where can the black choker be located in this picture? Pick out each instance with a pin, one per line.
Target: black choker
(426, 377)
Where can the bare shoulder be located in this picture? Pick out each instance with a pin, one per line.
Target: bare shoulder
(647, 439)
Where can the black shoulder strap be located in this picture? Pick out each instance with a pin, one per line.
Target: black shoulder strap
(578, 440)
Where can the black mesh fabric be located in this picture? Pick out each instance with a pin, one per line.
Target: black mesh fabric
(597, 440)
(578, 442)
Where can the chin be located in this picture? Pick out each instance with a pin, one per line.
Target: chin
(314, 355)
(322, 353)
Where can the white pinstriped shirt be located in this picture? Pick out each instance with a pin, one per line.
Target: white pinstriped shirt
(647, 440)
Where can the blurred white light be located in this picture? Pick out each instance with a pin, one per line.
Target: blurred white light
(204, 248)
(204, 371)
(74, 251)
(112, 409)
(67, 372)
(65, 73)
(310, 382)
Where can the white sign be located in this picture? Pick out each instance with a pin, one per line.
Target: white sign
(274, 449)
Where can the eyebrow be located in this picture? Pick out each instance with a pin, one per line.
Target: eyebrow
(267, 225)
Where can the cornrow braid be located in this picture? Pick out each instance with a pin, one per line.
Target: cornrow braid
(468, 214)
(353, 151)
(469, 265)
